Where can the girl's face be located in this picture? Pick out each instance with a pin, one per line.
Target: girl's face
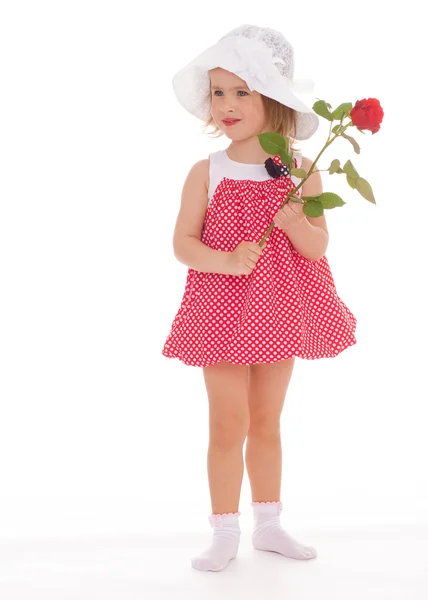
(231, 98)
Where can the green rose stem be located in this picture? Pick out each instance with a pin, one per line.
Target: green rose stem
(309, 173)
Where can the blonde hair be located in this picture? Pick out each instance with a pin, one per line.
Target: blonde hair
(282, 120)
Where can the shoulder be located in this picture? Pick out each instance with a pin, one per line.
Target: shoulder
(313, 187)
(201, 169)
(198, 174)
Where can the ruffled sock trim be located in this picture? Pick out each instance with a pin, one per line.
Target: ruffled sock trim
(273, 503)
(216, 520)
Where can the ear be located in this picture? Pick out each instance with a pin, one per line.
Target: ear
(313, 187)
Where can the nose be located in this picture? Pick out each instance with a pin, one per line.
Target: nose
(229, 104)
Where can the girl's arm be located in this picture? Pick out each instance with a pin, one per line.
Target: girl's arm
(188, 248)
(309, 241)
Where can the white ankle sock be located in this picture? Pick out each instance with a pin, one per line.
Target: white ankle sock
(225, 543)
(269, 534)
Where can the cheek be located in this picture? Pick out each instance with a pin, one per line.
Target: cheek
(256, 111)
(256, 116)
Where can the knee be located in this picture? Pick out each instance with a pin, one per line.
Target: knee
(264, 428)
(228, 431)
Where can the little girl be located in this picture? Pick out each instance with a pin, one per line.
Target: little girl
(248, 311)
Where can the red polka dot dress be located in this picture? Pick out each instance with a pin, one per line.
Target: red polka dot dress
(288, 306)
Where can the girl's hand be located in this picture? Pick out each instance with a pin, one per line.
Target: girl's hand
(290, 215)
(244, 258)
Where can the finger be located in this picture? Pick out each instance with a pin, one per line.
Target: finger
(254, 254)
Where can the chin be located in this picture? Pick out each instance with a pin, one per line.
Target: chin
(233, 135)
(229, 134)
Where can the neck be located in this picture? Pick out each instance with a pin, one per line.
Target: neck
(249, 151)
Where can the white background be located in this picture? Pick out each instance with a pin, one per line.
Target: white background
(100, 433)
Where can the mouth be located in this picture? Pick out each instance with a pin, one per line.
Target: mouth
(230, 122)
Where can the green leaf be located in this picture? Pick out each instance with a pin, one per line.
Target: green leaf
(339, 129)
(298, 173)
(321, 109)
(330, 200)
(350, 170)
(365, 189)
(352, 181)
(335, 166)
(272, 142)
(342, 110)
(286, 159)
(353, 142)
(313, 208)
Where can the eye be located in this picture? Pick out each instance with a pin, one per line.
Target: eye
(239, 91)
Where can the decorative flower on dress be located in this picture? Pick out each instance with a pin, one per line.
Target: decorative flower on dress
(275, 168)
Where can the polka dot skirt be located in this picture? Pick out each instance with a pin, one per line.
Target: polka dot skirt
(288, 306)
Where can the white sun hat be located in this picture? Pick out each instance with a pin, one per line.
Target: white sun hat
(264, 59)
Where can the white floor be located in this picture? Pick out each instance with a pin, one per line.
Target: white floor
(376, 563)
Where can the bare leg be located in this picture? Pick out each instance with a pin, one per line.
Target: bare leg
(227, 388)
(268, 386)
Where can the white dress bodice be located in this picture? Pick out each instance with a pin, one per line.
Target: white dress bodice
(223, 166)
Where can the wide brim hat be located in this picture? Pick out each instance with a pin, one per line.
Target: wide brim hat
(264, 59)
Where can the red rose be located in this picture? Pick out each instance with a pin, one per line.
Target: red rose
(367, 114)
